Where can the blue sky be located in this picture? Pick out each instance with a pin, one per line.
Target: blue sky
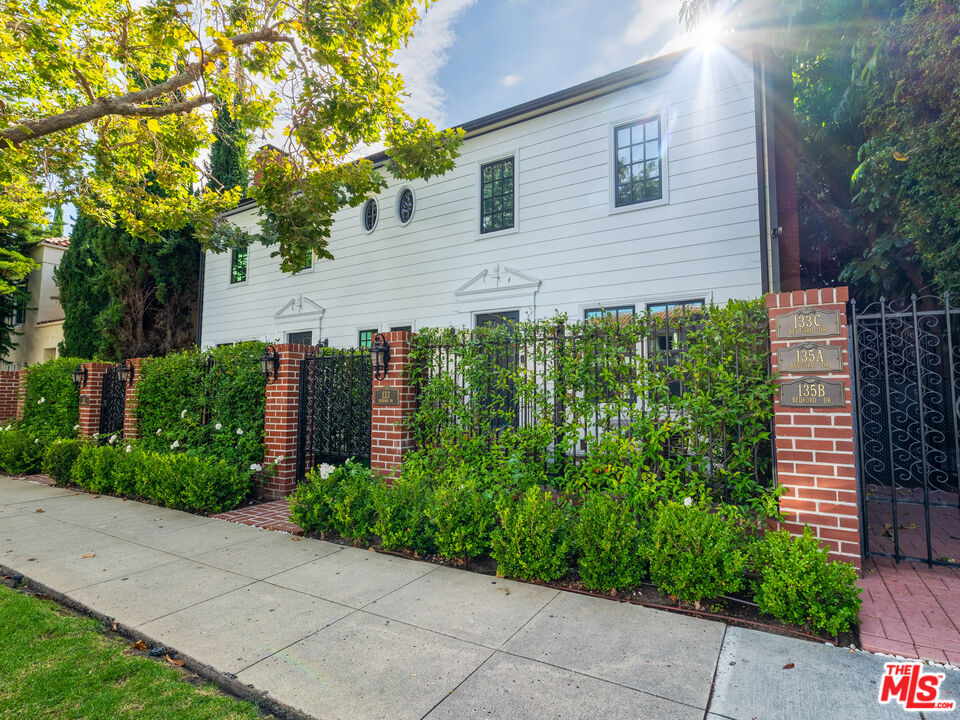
(473, 57)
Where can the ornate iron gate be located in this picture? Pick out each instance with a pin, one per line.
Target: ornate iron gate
(112, 402)
(335, 407)
(906, 372)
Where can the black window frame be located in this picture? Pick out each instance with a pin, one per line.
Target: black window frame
(402, 328)
(400, 205)
(497, 191)
(297, 337)
(624, 190)
(666, 347)
(235, 254)
(366, 343)
(364, 215)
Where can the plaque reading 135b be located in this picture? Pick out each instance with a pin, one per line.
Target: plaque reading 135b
(812, 392)
(809, 357)
(808, 322)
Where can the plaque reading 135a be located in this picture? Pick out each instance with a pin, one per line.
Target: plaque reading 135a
(812, 392)
(809, 357)
(808, 322)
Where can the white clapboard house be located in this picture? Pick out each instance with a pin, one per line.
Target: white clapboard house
(668, 183)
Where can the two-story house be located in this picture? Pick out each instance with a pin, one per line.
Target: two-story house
(668, 183)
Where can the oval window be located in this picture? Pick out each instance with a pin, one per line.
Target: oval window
(370, 215)
(405, 205)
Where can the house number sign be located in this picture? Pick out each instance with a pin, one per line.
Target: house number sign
(809, 357)
(386, 395)
(812, 392)
(808, 322)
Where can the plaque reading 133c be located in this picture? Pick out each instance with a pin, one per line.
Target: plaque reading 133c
(808, 322)
(809, 357)
(812, 392)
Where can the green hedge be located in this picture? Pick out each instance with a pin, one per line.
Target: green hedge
(51, 401)
(177, 393)
(20, 451)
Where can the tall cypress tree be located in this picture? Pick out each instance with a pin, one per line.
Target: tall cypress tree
(82, 295)
(228, 154)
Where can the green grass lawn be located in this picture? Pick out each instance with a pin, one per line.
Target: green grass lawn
(55, 665)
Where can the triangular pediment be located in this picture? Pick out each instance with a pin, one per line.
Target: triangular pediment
(497, 278)
(298, 307)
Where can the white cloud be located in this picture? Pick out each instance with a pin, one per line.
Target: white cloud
(425, 55)
(510, 80)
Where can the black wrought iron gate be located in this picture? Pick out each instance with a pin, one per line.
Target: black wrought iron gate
(335, 407)
(112, 403)
(906, 372)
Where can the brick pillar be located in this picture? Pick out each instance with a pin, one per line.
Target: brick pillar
(390, 437)
(815, 445)
(9, 394)
(90, 397)
(282, 421)
(130, 428)
(21, 391)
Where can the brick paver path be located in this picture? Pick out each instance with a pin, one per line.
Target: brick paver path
(270, 516)
(911, 610)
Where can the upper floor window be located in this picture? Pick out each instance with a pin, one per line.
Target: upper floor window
(238, 265)
(638, 173)
(496, 195)
(20, 313)
(366, 338)
(405, 206)
(370, 215)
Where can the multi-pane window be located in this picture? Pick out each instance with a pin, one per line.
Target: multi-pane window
(405, 205)
(639, 163)
(238, 265)
(20, 313)
(300, 338)
(670, 324)
(623, 313)
(370, 215)
(305, 265)
(401, 328)
(496, 196)
(366, 338)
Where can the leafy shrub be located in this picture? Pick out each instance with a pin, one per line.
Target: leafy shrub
(123, 474)
(51, 402)
(798, 583)
(20, 451)
(351, 500)
(695, 553)
(167, 386)
(93, 469)
(609, 544)
(401, 508)
(59, 458)
(532, 540)
(309, 506)
(236, 389)
(208, 485)
(463, 512)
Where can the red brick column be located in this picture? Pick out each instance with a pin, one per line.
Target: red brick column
(390, 437)
(815, 445)
(21, 391)
(90, 397)
(282, 421)
(130, 428)
(9, 394)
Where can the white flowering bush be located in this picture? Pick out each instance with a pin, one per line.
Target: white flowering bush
(51, 401)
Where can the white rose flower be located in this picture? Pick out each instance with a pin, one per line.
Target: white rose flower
(175, 445)
(112, 440)
(158, 430)
(217, 426)
(36, 440)
(324, 470)
(183, 414)
(280, 459)
(256, 468)
(75, 427)
(129, 448)
(239, 431)
(688, 502)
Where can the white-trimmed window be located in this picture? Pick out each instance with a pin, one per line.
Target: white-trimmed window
(497, 195)
(238, 264)
(638, 162)
(369, 214)
(405, 205)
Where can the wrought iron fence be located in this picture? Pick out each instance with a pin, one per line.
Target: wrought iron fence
(906, 362)
(687, 392)
(112, 402)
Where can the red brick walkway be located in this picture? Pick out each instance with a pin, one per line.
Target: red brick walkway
(271, 516)
(911, 610)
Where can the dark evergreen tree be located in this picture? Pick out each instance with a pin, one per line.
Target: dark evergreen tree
(17, 237)
(82, 295)
(228, 154)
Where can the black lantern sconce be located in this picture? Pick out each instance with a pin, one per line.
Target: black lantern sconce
(270, 363)
(125, 373)
(80, 376)
(380, 356)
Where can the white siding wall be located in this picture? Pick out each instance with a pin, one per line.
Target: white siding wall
(703, 243)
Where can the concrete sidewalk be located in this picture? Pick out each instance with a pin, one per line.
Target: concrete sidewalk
(340, 632)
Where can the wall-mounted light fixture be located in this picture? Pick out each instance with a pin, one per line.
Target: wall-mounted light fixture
(380, 356)
(270, 363)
